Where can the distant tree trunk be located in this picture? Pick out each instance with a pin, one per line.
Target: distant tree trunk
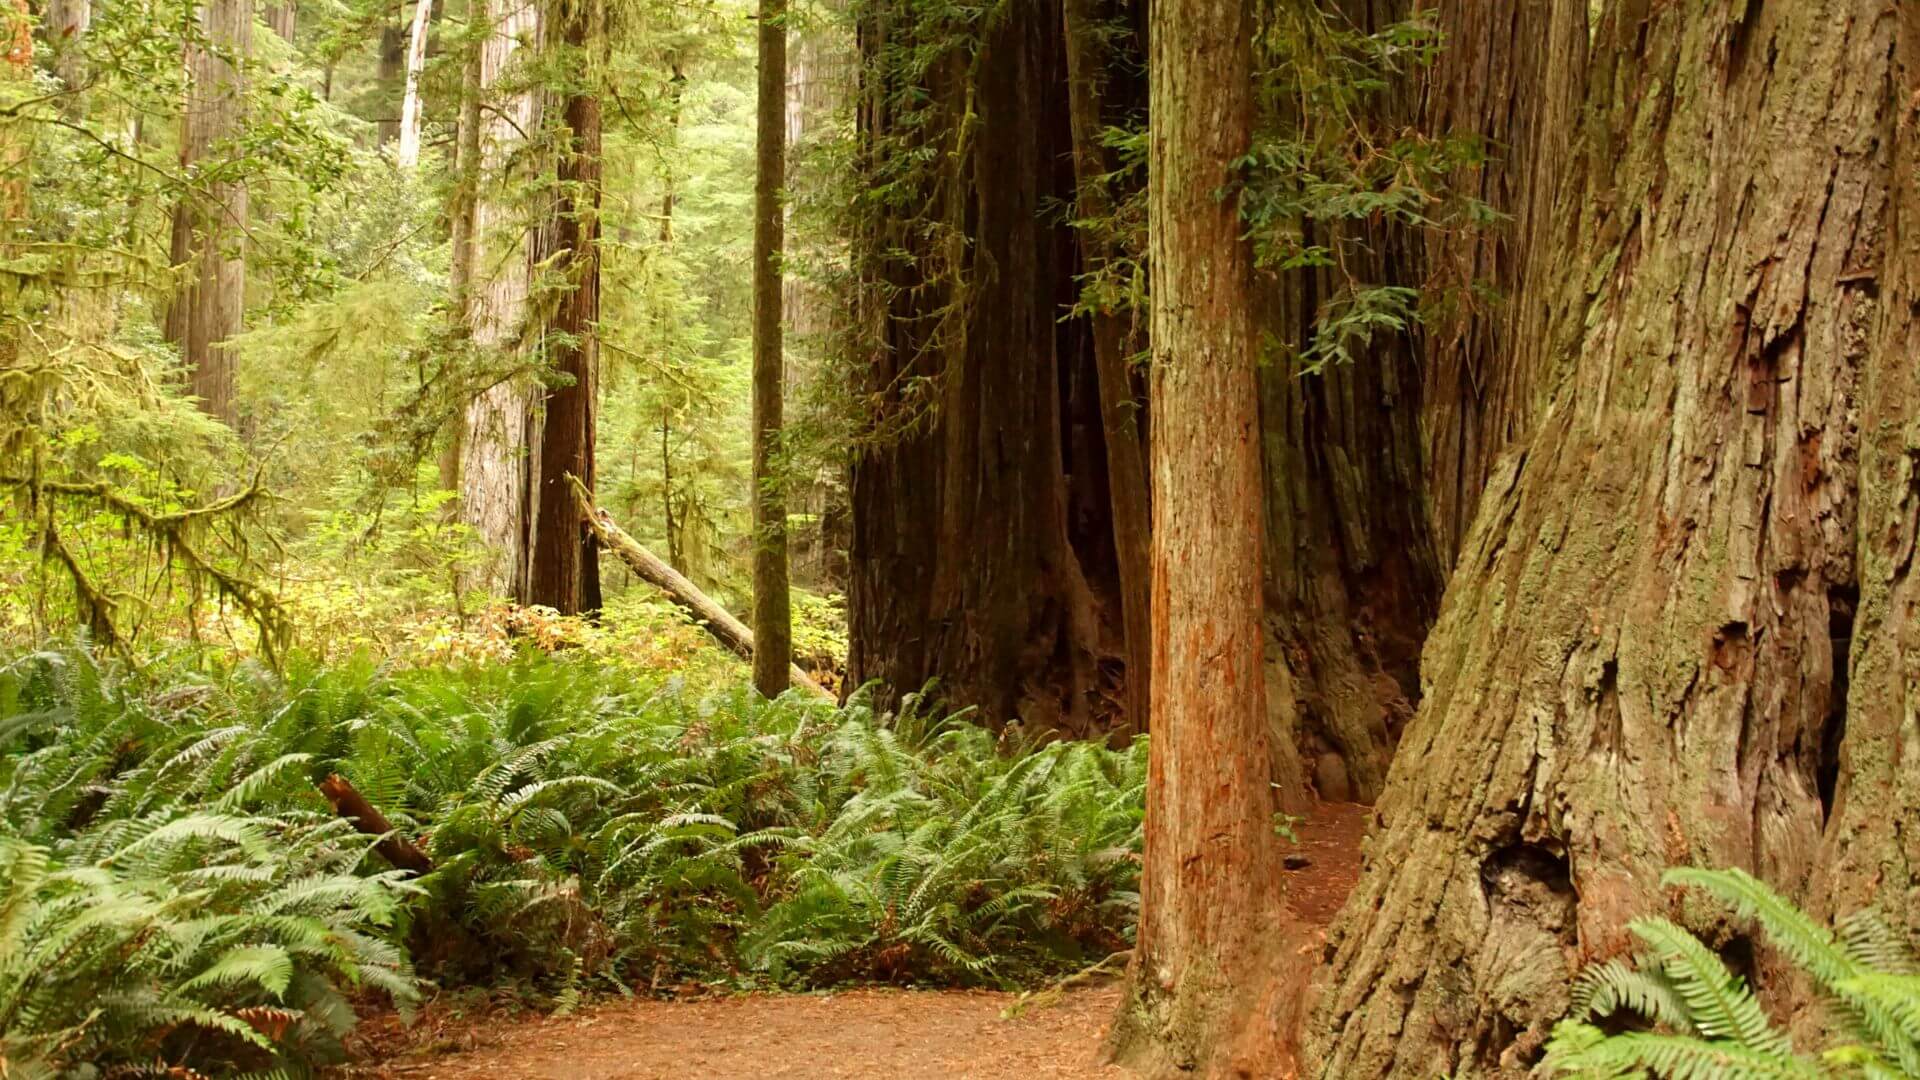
(209, 222)
(772, 605)
(66, 25)
(981, 549)
(280, 18)
(566, 557)
(495, 474)
(408, 153)
(16, 138)
(460, 207)
(1214, 926)
(1635, 664)
(1117, 337)
(390, 76)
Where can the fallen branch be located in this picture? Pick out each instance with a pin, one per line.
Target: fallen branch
(396, 849)
(717, 620)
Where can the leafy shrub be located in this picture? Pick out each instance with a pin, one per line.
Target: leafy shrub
(1707, 1022)
(589, 826)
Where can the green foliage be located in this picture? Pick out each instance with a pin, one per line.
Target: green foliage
(590, 828)
(1707, 1023)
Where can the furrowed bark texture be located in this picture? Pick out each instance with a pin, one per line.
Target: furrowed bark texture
(1873, 839)
(1512, 75)
(772, 599)
(495, 478)
(1353, 577)
(1213, 919)
(981, 552)
(209, 223)
(564, 571)
(1635, 665)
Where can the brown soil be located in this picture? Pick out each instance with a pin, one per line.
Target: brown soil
(854, 1033)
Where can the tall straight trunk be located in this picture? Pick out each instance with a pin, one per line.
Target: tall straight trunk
(1635, 665)
(16, 138)
(210, 221)
(495, 473)
(980, 551)
(565, 573)
(1117, 337)
(66, 23)
(772, 604)
(1213, 933)
(390, 76)
(281, 18)
(407, 154)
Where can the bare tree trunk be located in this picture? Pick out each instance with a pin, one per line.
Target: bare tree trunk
(1635, 665)
(494, 470)
(390, 76)
(1214, 927)
(407, 155)
(772, 605)
(1117, 337)
(16, 138)
(66, 24)
(281, 17)
(565, 572)
(209, 223)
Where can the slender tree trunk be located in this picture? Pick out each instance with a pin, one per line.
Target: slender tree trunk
(494, 470)
(1214, 927)
(1117, 337)
(209, 222)
(16, 138)
(566, 557)
(407, 155)
(772, 606)
(1635, 665)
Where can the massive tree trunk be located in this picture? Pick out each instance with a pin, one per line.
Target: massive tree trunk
(209, 222)
(980, 547)
(772, 603)
(1872, 857)
(495, 477)
(1635, 662)
(565, 557)
(1213, 934)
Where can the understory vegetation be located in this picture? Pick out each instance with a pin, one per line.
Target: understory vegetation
(178, 890)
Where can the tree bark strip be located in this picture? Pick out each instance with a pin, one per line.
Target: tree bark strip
(348, 803)
(772, 598)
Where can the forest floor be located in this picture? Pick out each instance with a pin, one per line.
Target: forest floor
(865, 1032)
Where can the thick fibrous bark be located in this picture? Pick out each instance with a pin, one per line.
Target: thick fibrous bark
(1635, 664)
(976, 559)
(209, 223)
(1872, 857)
(495, 478)
(1213, 921)
(649, 568)
(565, 560)
(772, 604)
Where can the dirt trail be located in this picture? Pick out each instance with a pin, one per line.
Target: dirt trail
(854, 1033)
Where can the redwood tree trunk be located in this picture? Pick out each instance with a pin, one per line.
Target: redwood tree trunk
(495, 478)
(1214, 927)
(772, 602)
(975, 559)
(565, 559)
(209, 223)
(1635, 662)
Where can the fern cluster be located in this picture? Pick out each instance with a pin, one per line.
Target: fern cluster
(179, 891)
(1708, 1025)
